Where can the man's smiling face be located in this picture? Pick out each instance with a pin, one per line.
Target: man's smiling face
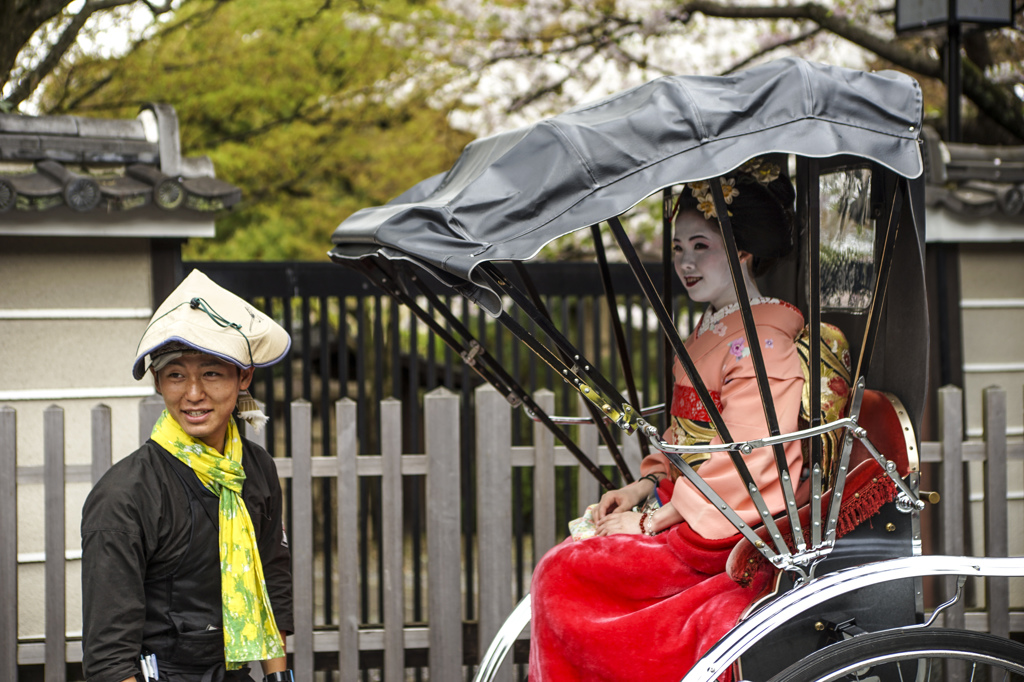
(200, 392)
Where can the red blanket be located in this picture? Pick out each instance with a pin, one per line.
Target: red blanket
(633, 607)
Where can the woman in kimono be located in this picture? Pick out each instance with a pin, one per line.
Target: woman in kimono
(646, 597)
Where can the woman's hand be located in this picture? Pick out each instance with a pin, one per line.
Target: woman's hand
(626, 522)
(622, 500)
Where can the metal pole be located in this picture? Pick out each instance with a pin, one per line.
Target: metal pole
(954, 80)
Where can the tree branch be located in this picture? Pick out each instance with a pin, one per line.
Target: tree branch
(30, 81)
(999, 104)
(158, 9)
(47, 10)
(826, 18)
(79, 99)
(789, 42)
(996, 102)
(537, 93)
(20, 20)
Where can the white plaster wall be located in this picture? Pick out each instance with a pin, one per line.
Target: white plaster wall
(992, 299)
(37, 272)
(71, 313)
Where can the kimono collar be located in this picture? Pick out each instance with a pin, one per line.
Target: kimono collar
(709, 321)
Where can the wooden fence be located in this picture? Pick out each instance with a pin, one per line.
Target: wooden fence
(451, 644)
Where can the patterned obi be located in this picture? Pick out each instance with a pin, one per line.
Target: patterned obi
(686, 403)
(691, 423)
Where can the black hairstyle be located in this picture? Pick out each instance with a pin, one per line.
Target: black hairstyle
(761, 212)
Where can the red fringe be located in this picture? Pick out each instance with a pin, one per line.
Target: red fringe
(861, 501)
(868, 501)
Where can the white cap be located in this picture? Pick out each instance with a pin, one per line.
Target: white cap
(202, 316)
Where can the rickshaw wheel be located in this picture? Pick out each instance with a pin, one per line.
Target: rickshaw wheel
(913, 655)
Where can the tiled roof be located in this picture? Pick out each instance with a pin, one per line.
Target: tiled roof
(974, 180)
(104, 164)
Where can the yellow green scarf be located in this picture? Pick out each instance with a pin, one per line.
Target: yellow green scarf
(250, 631)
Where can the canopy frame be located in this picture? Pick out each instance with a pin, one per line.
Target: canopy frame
(502, 202)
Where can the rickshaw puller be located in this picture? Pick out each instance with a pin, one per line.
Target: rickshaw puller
(185, 566)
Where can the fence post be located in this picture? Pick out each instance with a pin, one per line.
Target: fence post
(543, 480)
(631, 449)
(391, 539)
(302, 538)
(8, 544)
(951, 431)
(494, 505)
(444, 521)
(348, 541)
(996, 534)
(55, 578)
(150, 409)
(101, 443)
(588, 490)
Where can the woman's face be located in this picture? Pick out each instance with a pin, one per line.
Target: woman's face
(700, 260)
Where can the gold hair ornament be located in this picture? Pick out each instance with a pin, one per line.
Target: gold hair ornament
(760, 170)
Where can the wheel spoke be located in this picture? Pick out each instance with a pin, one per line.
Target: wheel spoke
(937, 655)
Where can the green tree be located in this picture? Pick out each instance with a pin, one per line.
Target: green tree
(313, 109)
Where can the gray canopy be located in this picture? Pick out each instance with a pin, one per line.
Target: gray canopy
(510, 194)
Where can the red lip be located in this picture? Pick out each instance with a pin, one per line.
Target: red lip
(691, 281)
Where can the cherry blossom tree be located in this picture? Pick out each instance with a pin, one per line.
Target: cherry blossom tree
(537, 55)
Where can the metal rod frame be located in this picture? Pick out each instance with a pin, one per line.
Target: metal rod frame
(761, 375)
(619, 331)
(599, 422)
(667, 274)
(874, 313)
(900, 192)
(581, 373)
(667, 325)
(643, 278)
(474, 355)
(822, 535)
(811, 201)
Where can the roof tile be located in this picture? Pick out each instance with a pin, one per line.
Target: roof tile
(89, 163)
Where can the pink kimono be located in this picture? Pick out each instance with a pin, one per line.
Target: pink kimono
(634, 607)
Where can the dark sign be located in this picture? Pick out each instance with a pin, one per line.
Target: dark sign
(915, 14)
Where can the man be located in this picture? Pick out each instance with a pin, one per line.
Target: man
(185, 565)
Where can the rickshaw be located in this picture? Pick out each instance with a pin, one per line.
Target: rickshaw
(847, 601)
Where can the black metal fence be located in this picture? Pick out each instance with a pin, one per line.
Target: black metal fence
(351, 340)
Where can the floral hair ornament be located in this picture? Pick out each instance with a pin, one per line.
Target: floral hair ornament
(760, 170)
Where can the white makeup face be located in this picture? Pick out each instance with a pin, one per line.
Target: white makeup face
(700, 260)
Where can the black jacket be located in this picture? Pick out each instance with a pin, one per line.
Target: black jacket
(150, 561)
